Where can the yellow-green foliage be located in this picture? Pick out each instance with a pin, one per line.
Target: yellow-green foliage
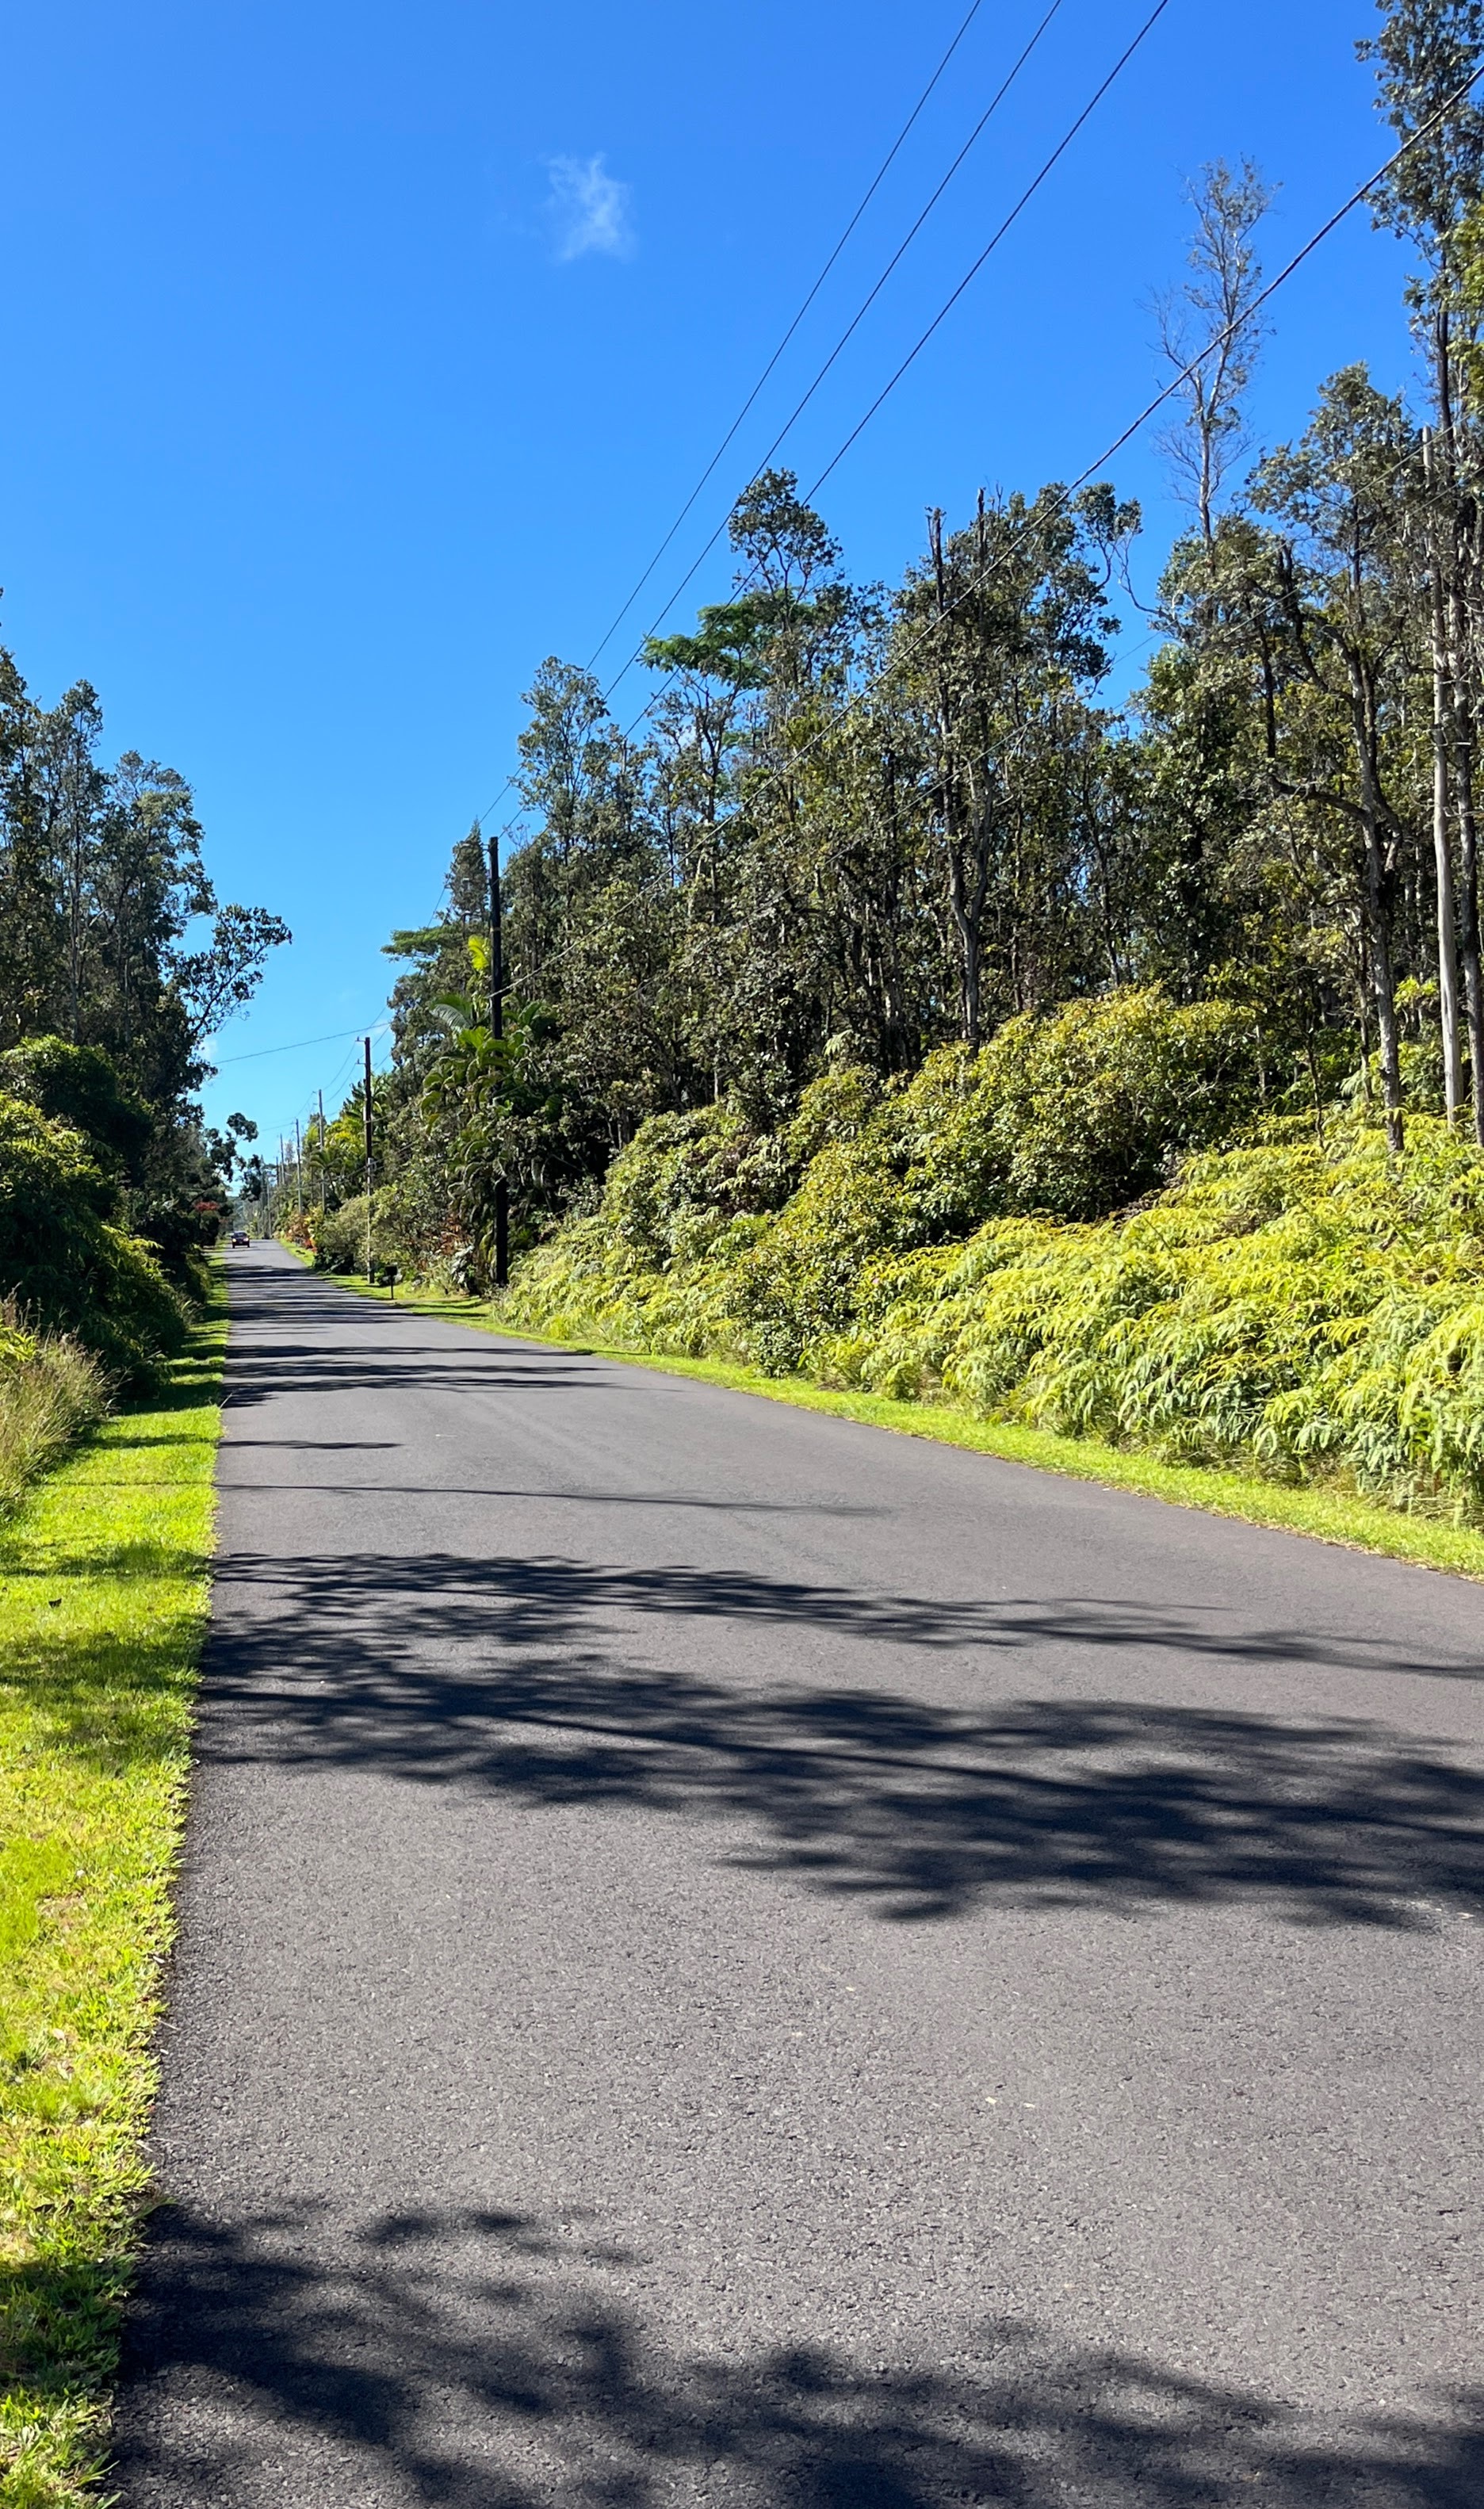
(103, 1605)
(1312, 1312)
(337, 1239)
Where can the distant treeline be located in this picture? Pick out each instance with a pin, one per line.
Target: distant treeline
(117, 964)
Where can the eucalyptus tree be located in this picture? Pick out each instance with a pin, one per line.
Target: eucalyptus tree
(755, 692)
(113, 942)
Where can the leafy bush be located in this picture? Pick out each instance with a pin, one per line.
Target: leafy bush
(1306, 1310)
(1072, 1115)
(77, 1085)
(1079, 1114)
(1310, 1312)
(683, 1176)
(338, 1239)
(62, 1259)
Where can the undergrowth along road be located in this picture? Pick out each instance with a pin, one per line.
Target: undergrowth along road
(103, 1602)
(1327, 1515)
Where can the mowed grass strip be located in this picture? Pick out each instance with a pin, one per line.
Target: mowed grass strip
(104, 1599)
(1327, 1513)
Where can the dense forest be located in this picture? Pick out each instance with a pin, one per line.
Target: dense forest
(883, 876)
(117, 964)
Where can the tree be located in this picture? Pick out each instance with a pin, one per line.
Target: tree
(1001, 640)
(103, 892)
(1337, 611)
(1210, 334)
(1427, 57)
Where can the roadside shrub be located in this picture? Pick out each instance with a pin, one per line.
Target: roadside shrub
(683, 1177)
(77, 1085)
(1310, 1311)
(1071, 1115)
(337, 1238)
(62, 1259)
(1079, 1114)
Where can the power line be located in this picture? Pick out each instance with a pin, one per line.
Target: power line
(865, 203)
(342, 1068)
(1029, 192)
(862, 310)
(1066, 494)
(1211, 349)
(1044, 171)
(298, 1044)
(972, 273)
(845, 336)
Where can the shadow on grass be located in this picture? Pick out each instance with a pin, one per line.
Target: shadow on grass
(102, 1681)
(59, 2325)
(188, 1393)
(476, 2360)
(191, 1381)
(109, 1703)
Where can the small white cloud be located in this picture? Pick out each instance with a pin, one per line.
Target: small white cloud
(590, 209)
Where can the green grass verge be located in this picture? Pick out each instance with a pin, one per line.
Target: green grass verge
(104, 1599)
(1328, 1515)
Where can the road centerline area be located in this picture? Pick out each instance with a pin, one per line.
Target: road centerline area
(727, 1956)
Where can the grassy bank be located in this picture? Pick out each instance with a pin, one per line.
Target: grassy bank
(104, 1599)
(1326, 1515)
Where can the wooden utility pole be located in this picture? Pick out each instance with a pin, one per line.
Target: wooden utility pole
(321, 1094)
(497, 1029)
(365, 1111)
(298, 1168)
(1442, 841)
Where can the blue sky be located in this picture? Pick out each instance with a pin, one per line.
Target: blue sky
(358, 357)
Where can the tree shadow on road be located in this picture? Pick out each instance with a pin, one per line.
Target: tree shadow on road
(476, 2360)
(295, 1332)
(530, 1680)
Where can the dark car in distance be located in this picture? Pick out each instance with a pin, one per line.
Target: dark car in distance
(239, 1237)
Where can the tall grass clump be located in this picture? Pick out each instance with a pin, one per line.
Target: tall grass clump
(1308, 1310)
(51, 1390)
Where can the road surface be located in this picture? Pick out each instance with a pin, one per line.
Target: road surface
(731, 1957)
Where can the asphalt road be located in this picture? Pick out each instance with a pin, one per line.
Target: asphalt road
(731, 1957)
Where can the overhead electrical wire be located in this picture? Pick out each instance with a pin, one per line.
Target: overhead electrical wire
(1027, 195)
(867, 302)
(864, 203)
(861, 311)
(298, 1043)
(1002, 230)
(1211, 349)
